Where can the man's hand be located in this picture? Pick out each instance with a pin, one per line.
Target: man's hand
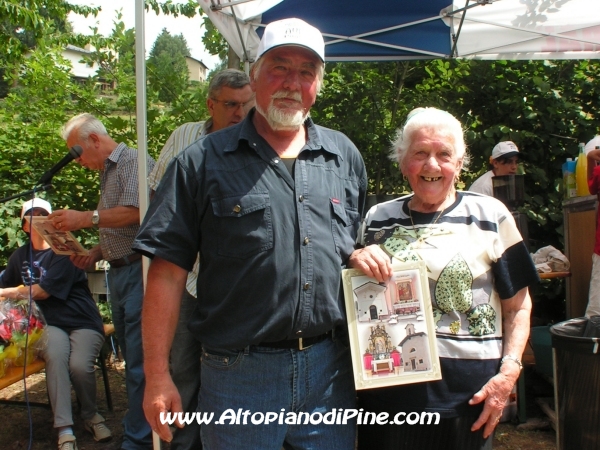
(160, 313)
(373, 261)
(161, 396)
(70, 219)
(87, 262)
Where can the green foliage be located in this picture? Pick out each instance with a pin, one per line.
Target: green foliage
(213, 41)
(166, 66)
(545, 107)
(44, 97)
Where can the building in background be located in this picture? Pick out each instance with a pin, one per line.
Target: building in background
(197, 70)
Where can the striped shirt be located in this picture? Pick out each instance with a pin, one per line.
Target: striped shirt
(119, 187)
(475, 258)
(179, 140)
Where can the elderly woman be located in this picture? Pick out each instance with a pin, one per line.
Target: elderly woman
(479, 270)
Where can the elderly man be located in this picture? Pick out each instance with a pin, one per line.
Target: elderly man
(504, 161)
(273, 205)
(117, 219)
(229, 99)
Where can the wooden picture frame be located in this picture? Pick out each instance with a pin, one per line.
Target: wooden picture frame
(391, 327)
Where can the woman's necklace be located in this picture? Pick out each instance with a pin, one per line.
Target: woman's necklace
(427, 231)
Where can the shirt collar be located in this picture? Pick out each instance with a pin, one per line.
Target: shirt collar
(316, 139)
(206, 127)
(116, 153)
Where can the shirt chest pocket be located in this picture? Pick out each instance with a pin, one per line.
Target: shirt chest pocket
(344, 226)
(244, 224)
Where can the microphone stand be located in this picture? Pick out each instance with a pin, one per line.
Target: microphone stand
(45, 187)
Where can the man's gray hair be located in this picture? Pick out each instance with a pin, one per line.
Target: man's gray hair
(434, 119)
(85, 124)
(231, 78)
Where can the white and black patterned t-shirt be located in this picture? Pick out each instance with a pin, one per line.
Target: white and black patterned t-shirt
(475, 257)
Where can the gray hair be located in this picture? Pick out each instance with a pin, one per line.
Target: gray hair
(85, 124)
(231, 78)
(433, 118)
(320, 71)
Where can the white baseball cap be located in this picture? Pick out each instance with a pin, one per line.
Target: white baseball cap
(35, 203)
(591, 145)
(506, 149)
(291, 32)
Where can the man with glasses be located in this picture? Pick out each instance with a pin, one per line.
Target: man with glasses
(229, 99)
(504, 161)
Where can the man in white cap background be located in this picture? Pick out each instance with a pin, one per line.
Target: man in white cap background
(273, 206)
(504, 161)
(74, 333)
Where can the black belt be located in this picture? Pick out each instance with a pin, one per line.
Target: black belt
(297, 344)
(125, 260)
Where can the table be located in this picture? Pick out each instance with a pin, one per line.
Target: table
(14, 375)
(549, 275)
(383, 364)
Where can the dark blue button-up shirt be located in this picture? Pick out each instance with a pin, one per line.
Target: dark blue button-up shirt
(272, 246)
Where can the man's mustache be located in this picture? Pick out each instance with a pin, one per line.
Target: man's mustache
(288, 95)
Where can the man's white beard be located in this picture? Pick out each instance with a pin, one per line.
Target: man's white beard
(281, 120)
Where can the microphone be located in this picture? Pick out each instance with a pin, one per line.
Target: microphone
(74, 153)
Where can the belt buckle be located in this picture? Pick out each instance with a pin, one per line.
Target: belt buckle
(301, 345)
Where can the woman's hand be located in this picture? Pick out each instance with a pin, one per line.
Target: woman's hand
(515, 323)
(494, 393)
(373, 261)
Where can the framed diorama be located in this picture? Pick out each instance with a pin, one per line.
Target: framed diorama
(391, 327)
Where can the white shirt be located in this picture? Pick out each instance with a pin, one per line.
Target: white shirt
(484, 184)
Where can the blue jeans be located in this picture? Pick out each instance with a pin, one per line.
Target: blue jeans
(266, 380)
(185, 370)
(126, 294)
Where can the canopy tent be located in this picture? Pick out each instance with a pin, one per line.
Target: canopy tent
(379, 30)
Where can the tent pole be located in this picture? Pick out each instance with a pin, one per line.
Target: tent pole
(142, 141)
(141, 124)
(455, 37)
(237, 25)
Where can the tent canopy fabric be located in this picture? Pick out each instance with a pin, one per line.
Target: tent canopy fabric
(379, 30)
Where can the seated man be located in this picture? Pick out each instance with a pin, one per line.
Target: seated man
(74, 333)
(504, 161)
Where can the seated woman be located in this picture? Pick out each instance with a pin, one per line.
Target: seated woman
(74, 333)
(479, 272)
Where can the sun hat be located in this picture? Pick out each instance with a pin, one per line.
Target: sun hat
(35, 203)
(506, 149)
(291, 32)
